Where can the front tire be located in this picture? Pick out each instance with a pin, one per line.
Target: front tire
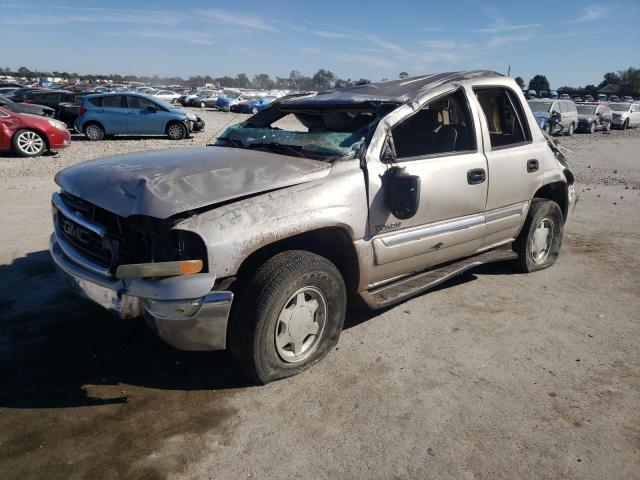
(28, 143)
(592, 127)
(203, 105)
(287, 317)
(176, 131)
(538, 244)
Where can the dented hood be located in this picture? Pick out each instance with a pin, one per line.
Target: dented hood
(163, 183)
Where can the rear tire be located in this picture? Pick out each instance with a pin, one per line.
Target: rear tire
(538, 244)
(203, 105)
(176, 131)
(287, 316)
(254, 110)
(93, 131)
(572, 127)
(28, 143)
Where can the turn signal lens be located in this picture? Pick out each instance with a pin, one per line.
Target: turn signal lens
(159, 269)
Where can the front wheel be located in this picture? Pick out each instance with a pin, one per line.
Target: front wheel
(625, 125)
(176, 131)
(287, 317)
(254, 110)
(203, 105)
(27, 143)
(592, 127)
(538, 244)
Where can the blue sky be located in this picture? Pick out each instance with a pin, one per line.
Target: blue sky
(572, 42)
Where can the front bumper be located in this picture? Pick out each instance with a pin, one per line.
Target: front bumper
(182, 311)
(618, 120)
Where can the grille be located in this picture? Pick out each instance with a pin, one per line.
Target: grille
(86, 241)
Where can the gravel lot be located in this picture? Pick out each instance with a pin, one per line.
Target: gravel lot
(496, 375)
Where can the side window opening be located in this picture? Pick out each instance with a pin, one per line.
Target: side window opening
(112, 101)
(97, 101)
(442, 126)
(505, 117)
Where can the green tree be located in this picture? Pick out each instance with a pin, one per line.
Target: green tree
(323, 79)
(520, 82)
(403, 75)
(242, 81)
(610, 79)
(362, 81)
(539, 82)
(263, 81)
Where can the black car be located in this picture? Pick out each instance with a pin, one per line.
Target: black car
(593, 116)
(33, 109)
(19, 94)
(53, 98)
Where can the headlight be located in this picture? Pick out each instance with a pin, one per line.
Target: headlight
(191, 116)
(57, 124)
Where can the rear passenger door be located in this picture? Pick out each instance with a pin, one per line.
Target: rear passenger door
(113, 115)
(514, 162)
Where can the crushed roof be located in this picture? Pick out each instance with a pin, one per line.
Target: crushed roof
(393, 91)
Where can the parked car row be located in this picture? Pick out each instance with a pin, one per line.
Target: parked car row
(565, 116)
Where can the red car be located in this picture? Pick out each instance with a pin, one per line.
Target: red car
(30, 135)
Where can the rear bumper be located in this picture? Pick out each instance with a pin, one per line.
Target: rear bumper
(182, 311)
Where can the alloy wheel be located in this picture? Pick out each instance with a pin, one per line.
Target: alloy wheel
(300, 324)
(541, 240)
(30, 143)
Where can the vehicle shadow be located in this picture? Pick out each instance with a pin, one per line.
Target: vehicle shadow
(54, 344)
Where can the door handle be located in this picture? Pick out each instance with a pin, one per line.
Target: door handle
(476, 176)
(533, 165)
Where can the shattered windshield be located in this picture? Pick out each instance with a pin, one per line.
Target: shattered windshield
(326, 134)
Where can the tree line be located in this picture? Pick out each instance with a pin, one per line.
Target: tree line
(627, 81)
(321, 80)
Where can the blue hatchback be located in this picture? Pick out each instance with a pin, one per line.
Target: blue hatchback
(131, 114)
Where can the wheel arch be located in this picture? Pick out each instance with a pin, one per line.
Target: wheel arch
(33, 129)
(97, 122)
(333, 243)
(557, 192)
(175, 120)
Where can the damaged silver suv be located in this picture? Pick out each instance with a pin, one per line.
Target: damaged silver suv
(370, 194)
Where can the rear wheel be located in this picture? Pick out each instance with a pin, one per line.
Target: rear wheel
(176, 131)
(94, 131)
(203, 105)
(572, 127)
(254, 110)
(287, 317)
(27, 143)
(538, 244)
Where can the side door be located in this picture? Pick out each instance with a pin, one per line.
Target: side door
(114, 114)
(439, 142)
(145, 116)
(515, 162)
(634, 116)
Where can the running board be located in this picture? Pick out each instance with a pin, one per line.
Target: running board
(407, 287)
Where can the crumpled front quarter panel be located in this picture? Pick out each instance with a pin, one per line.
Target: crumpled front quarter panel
(234, 231)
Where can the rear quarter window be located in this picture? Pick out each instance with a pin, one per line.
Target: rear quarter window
(97, 101)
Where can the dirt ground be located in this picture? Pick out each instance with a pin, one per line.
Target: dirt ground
(495, 375)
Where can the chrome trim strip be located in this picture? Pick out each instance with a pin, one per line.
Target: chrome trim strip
(398, 238)
(77, 217)
(518, 209)
(70, 251)
(429, 231)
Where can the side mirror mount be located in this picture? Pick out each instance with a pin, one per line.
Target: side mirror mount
(152, 108)
(402, 192)
(389, 152)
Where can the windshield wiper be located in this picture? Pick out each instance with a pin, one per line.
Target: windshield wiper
(277, 146)
(234, 143)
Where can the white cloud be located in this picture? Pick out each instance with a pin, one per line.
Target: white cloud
(238, 20)
(388, 46)
(440, 44)
(508, 28)
(366, 59)
(591, 13)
